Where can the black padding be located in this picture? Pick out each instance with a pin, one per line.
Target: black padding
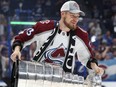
(91, 60)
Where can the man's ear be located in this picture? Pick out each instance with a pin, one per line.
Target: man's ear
(62, 13)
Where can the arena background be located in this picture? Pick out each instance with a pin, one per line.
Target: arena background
(99, 22)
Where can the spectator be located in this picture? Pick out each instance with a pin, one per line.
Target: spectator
(95, 28)
(3, 23)
(95, 12)
(5, 63)
(108, 38)
(114, 51)
(38, 11)
(5, 7)
(113, 48)
(32, 50)
(104, 50)
(48, 7)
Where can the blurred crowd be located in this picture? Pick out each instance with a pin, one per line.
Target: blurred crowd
(99, 22)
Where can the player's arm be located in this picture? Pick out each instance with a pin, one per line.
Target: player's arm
(92, 62)
(16, 54)
(19, 40)
(26, 37)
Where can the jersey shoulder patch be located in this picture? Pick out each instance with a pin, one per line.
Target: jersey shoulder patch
(45, 25)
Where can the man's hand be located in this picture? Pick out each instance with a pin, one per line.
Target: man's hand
(97, 69)
(16, 54)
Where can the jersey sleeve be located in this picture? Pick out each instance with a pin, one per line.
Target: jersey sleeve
(92, 58)
(84, 36)
(29, 33)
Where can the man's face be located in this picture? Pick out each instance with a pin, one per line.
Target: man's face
(71, 19)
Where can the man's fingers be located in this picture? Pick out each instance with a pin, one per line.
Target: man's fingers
(15, 56)
(100, 71)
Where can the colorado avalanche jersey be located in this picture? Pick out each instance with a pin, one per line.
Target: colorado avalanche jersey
(56, 52)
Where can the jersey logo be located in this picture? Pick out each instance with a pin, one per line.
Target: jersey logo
(55, 55)
(29, 31)
(58, 53)
(68, 63)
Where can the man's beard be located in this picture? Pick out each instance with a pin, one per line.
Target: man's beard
(68, 25)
